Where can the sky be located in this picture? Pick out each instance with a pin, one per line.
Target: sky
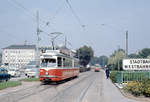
(100, 24)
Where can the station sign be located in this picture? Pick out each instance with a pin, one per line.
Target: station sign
(136, 64)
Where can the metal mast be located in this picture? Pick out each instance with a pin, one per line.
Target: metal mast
(126, 44)
(65, 42)
(38, 39)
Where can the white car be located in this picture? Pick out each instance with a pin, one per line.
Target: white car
(14, 73)
(32, 71)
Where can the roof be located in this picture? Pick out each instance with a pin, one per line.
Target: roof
(21, 47)
(52, 53)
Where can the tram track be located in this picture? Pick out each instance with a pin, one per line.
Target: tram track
(85, 90)
(21, 90)
(21, 94)
(33, 86)
(51, 86)
(71, 86)
(24, 93)
(34, 93)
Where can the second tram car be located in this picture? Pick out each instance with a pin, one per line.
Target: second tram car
(56, 66)
(97, 68)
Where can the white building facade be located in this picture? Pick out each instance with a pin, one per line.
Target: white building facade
(18, 56)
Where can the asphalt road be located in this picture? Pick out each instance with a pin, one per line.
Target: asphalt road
(88, 87)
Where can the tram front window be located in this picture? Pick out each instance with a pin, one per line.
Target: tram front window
(48, 63)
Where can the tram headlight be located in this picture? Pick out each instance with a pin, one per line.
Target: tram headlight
(46, 73)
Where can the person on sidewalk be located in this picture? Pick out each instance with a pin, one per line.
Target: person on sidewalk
(107, 73)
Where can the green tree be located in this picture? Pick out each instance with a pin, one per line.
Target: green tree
(116, 58)
(0, 58)
(133, 55)
(103, 60)
(144, 53)
(85, 54)
(95, 60)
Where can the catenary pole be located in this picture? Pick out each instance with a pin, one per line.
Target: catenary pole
(126, 44)
(38, 39)
(65, 42)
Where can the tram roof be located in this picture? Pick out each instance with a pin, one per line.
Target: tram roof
(50, 53)
(53, 53)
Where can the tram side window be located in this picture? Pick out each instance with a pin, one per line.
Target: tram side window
(76, 63)
(59, 59)
(63, 62)
(67, 62)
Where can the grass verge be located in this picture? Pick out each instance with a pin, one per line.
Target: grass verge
(4, 85)
(30, 79)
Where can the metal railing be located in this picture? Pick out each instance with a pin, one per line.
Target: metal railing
(126, 76)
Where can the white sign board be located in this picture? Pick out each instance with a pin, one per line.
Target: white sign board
(136, 64)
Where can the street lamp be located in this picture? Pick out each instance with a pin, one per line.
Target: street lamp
(126, 45)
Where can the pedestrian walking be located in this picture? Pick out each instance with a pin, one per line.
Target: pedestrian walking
(107, 73)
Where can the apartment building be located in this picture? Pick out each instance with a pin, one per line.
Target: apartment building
(18, 56)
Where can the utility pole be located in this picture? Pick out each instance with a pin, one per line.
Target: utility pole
(38, 39)
(118, 59)
(126, 44)
(118, 64)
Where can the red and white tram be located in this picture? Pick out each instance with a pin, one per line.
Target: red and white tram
(56, 66)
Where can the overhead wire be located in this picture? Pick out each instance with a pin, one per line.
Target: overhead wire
(29, 12)
(60, 40)
(74, 13)
(57, 39)
(11, 36)
(112, 26)
(57, 11)
(18, 4)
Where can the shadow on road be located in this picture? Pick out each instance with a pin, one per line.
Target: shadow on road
(58, 82)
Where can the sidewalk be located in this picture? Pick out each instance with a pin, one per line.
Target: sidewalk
(103, 90)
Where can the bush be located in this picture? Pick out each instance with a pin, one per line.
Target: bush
(138, 88)
(113, 76)
(135, 88)
(146, 88)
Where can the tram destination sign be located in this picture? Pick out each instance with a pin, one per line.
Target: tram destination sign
(136, 64)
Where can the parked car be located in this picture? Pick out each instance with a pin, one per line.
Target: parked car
(14, 72)
(4, 76)
(88, 67)
(32, 71)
